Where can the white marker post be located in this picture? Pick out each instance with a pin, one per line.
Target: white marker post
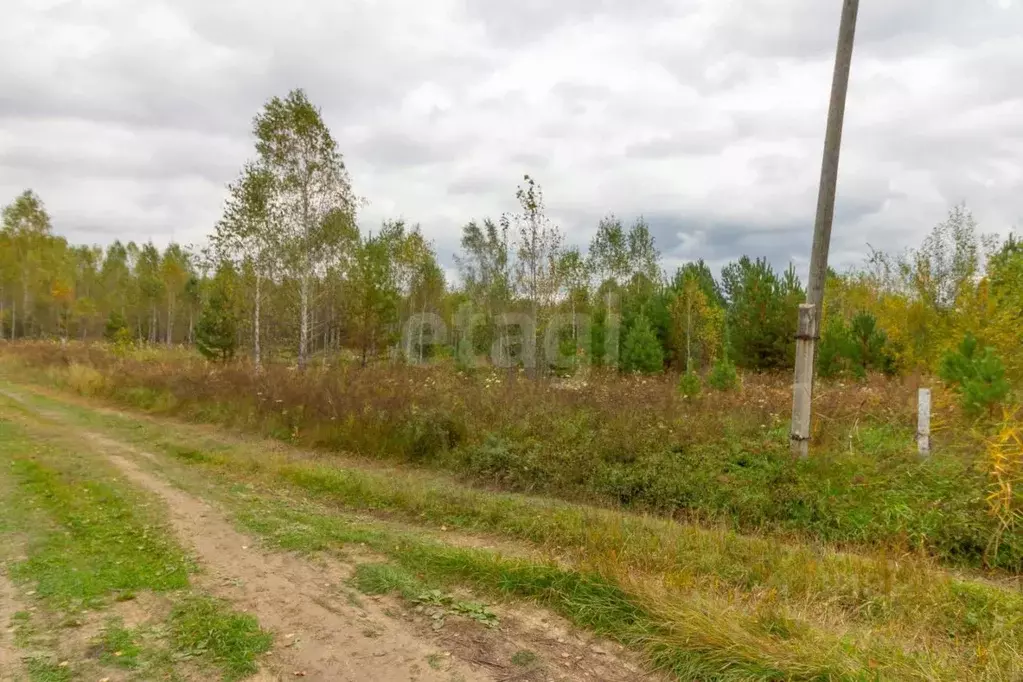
(923, 423)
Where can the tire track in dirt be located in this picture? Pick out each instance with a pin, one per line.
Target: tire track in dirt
(10, 655)
(318, 635)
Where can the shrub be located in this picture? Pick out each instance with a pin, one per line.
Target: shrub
(116, 327)
(429, 434)
(123, 342)
(979, 376)
(689, 385)
(492, 458)
(84, 380)
(723, 375)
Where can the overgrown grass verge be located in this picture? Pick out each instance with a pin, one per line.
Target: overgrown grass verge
(702, 635)
(704, 604)
(722, 459)
(91, 542)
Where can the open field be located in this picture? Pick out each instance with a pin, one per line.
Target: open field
(890, 573)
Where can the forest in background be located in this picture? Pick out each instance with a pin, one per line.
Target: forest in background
(287, 275)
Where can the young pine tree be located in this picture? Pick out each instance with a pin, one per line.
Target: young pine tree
(723, 375)
(642, 351)
(833, 351)
(977, 374)
(855, 348)
(216, 334)
(689, 385)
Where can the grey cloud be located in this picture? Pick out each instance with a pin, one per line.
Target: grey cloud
(226, 63)
(576, 98)
(399, 149)
(689, 143)
(156, 159)
(719, 243)
(474, 184)
(532, 161)
(809, 28)
(530, 20)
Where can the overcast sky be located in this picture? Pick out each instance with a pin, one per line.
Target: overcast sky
(129, 117)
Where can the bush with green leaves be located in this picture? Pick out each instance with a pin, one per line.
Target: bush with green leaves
(117, 334)
(115, 327)
(978, 375)
(642, 351)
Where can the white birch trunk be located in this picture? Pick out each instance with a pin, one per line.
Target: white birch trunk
(256, 349)
(169, 339)
(303, 332)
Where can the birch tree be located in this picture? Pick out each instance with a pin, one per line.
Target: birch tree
(609, 251)
(311, 189)
(643, 257)
(174, 272)
(7, 279)
(150, 287)
(574, 275)
(250, 231)
(28, 225)
(538, 245)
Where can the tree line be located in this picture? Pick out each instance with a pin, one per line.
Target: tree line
(288, 276)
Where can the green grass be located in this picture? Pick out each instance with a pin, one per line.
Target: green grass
(707, 639)
(90, 541)
(386, 579)
(524, 658)
(21, 624)
(103, 542)
(42, 670)
(382, 578)
(205, 627)
(120, 646)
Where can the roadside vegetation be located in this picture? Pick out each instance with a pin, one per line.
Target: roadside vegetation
(722, 459)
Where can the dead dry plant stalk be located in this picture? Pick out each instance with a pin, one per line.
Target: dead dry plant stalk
(1005, 465)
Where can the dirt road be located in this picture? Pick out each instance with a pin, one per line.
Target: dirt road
(322, 630)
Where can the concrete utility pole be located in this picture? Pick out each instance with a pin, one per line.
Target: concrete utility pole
(810, 318)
